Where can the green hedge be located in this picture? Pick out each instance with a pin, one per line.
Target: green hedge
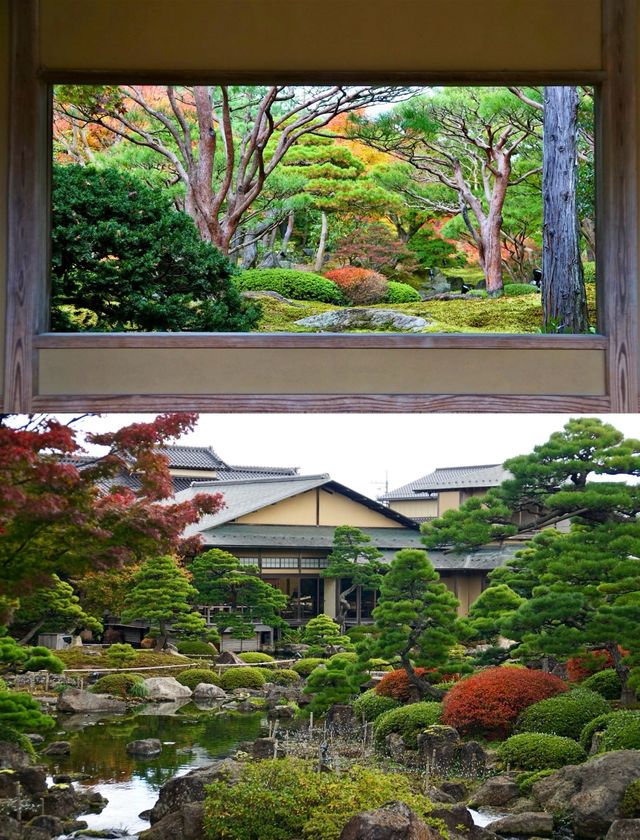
(369, 706)
(299, 285)
(120, 684)
(195, 647)
(619, 731)
(537, 751)
(566, 715)
(242, 678)
(400, 293)
(253, 657)
(607, 683)
(194, 676)
(517, 289)
(305, 666)
(407, 721)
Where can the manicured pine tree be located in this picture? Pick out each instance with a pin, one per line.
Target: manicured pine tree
(355, 557)
(162, 595)
(321, 632)
(416, 619)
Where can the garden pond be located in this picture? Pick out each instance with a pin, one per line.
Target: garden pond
(191, 737)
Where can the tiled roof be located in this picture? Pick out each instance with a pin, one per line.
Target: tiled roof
(248, 495)
(450, 478)
(192, 457)
(232, 536)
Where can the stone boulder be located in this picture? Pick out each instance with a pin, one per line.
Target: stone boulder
(438, 747)
(228, 657)
(279, 693)
(145, 747)
(281, 713)
(356, 318)
(165, 689)
(12, 757)
(185, 824)
(264, 748)
(184, 790)
(456, 790)
(208, 691)
(11, 829)
(57, 748)
(624, 830)
(77, 700)
(394, 821)
(341, 717)
(527, 824)
(51, 826)
(495, 792)
(591, 793)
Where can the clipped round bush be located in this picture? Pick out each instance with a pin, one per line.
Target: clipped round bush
(516, 289)
(299, 285)
(566, 714)
(20, 712)
(396, 684)
(347, 656)
(120, 656)
(360, 286)
(617, 731)
(537, 751)
(42, 659)
(253, 657)
(305, 666)
(281, 676)
(630, 806)
(407, 721)
(489, 702)
(119, 684)
(369, 706)
(194, 676)
(242, 678)
(401, 293)
(607, 683)
(196, 647)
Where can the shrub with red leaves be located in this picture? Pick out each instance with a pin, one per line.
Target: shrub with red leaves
(359, 285)
(396, 684)
(488, 703)
(581, 667)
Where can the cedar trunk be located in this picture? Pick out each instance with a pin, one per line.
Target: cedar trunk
(564, 300)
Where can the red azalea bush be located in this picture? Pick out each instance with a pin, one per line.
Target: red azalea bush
(488, 703)
(583, 666)
(359, 285)
(396, 683)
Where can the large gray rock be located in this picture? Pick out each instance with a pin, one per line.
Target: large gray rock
(228, 657)
(145, 747)
(394, 821)
(527, 824)
(591, 793)
(184, 824)
(624, 830)
(356, 318)
(208, 691)
(438, 747)
(183, 790)
(12, 756)
(77, 700)
(57, 748)
(162, 689)
(500, 790)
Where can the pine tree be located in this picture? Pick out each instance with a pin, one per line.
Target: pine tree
(353, 556)
(416, 619)
(161, 595)
(321, 632)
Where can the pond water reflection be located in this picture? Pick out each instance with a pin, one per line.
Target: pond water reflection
(191, 737)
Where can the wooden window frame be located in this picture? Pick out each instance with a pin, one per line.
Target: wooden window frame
(28, 249)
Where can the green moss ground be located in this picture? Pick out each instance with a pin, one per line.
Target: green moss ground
(499, 315)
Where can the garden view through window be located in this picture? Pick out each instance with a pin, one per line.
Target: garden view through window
(323, 209)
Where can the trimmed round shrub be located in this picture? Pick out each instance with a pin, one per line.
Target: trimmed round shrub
(489, 702)
(516, 289)
(566, 714)
(401, 293)
(121, 656)
(617, 731)
(119, 684)
(196, 647)
(630, 806)
(305, 666)
(242, 678)
(194, 676)
(396, 684)
(347, 656)
(369, 706)
(299, 285)
(407, 721)
(607, 683)
(281, 676)
(253, 657)
(43, 662)
(360, 286)
(537, 751)
(19, 711)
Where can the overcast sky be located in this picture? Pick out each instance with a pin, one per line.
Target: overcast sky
(365, 451)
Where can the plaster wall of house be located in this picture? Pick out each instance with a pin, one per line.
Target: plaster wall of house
(448, 500)
(417, 508)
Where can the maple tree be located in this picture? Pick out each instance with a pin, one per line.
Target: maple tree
(63, 511)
